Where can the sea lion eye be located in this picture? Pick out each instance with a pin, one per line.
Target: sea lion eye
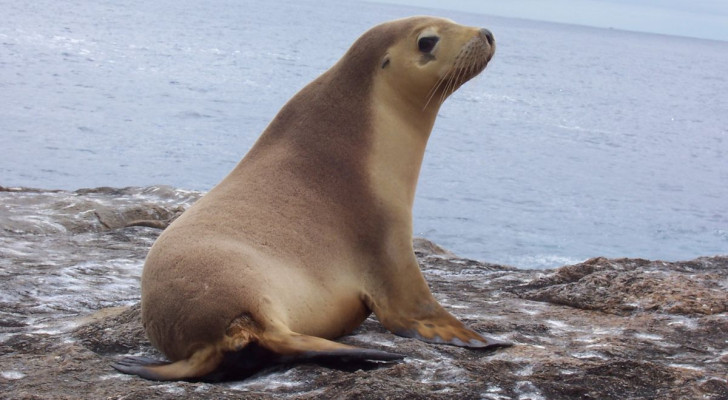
(427, 43)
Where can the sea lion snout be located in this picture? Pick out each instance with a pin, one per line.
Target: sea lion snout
(488, 35)
(487, 43)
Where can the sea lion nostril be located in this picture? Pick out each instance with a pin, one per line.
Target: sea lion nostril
(488, 36)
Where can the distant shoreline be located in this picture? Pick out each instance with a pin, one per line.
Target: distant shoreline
(705, 23)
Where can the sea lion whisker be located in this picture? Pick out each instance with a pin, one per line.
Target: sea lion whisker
(443, 92)
(432, 92)
(453, 84)
(456, 79)
(452, 81)
(447, 90)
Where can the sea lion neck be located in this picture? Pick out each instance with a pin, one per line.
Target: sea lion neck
(399, 137)
(333, 111)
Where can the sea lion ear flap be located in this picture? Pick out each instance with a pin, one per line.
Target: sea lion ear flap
(385, 61)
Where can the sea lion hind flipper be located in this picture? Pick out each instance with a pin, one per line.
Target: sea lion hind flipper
(296, 347)
(271, 350)
(201, 363)
(141, 366)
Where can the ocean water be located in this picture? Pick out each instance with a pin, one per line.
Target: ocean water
(575, 142)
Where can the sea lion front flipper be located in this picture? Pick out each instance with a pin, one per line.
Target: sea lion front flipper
(440, 327)
(297, 347)
(407, 308)
(442, 331)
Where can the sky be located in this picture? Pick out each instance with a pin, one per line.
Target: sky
(706, 19)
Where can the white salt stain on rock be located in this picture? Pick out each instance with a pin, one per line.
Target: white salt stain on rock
(515, 278)
(478, 317)
(608, 331)
(589, 354)
(527, 390)
(530, 312)
(593, 345)
(12, 375)
(116, 376)
(686, 366)
(15, 248)
(42, 224)
(679, 320)
(442, 370)
(439, 272)
(376, 338)
(46, 330)
(270, 382)
(202, 387)
(648, 336)
(527, 371)
(558, 324)
(721, 358)
(493, 393)
(172, 388)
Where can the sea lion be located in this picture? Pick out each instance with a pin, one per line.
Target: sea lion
(312, 230)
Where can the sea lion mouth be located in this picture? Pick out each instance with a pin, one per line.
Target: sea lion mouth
(470, 61)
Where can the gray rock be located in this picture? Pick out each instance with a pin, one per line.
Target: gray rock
(602, 329)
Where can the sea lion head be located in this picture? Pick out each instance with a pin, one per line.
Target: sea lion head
(424, 59)
(433, 57)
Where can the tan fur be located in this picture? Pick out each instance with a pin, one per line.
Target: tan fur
(313, 229)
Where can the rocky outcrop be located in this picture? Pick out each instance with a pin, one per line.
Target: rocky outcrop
(602, 329)
(36, 211)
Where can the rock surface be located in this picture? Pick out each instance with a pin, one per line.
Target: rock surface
(602, 329)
